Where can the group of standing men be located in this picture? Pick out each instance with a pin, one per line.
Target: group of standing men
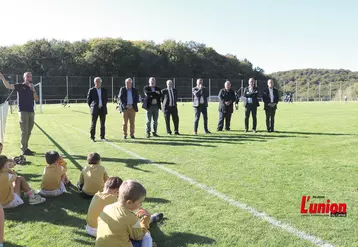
(154, 101)
(166, 100)
(128, 99)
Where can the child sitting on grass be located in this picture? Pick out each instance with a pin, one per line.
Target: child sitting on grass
(124, 223)
(92, 177)
(54, 176)
(11, 186)
(99, 201)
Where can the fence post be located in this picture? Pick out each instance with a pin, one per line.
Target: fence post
(40, 94)
(133, 81)
(340, 91)
(17, 78)
(209, 90)
(330, 91)
(192, 86)
(112, 90)
(296, 92)
(319, 91)
(89, 82)
(242, 87)
(174, 83)
(308, 92)
(67, 87)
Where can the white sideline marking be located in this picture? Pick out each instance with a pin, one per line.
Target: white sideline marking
(288, 228)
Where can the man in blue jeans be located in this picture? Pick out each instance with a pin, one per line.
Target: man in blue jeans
(26, 95)
(153, 94)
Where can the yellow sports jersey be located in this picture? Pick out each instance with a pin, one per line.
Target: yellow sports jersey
(117, 226)
(6, 187)
(51, 178)
(93, 178)
(99, 201)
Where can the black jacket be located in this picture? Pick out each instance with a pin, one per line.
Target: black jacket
(203, 92)
(225, 96)
(93, 100)
(166, 99)
(253, 96)
(122, 98)
(267, 99)
(150, 95)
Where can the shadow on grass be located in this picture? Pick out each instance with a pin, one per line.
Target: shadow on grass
(31, 177)
(129, 163)
(314, 133)
(166, 142)
(178, 239)
(56, 211)
(7, 244)
(87, 113)
(223, 139)
(156, 200)
(67, 155)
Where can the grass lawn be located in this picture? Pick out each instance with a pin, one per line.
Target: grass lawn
(314, 153)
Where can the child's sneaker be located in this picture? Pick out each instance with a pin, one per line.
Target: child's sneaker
(37, 199)
(156, 217)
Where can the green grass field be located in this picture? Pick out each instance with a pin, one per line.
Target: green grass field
(313, 154)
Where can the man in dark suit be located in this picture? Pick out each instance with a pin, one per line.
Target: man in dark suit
(128, 99)
(251, 103)
(169, 101)
(97, 101)
(270, 98)
(153, 96)
(200, 103)
(226, 106)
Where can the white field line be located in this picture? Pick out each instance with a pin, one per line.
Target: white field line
(262, 215)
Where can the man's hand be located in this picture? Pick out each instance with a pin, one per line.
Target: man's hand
(158, 92)
(237, 106)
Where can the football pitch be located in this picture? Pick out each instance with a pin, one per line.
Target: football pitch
(224, 189)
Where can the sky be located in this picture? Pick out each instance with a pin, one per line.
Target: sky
(276, 35)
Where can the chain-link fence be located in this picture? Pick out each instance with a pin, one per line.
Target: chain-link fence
(56, 88)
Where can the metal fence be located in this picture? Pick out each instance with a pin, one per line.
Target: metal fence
(56, 88)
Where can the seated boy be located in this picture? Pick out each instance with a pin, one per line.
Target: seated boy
(119, 224)
(2, 220)
(92, 177)
(11, 186)
(54, 177)
(99, 201)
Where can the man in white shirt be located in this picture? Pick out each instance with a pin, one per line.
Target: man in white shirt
(270, 98)
(97, 101)
(200, 104)
(169, 107)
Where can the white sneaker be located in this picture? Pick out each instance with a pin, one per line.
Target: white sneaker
(37, 199)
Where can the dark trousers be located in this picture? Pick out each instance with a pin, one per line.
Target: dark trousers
(102, 117)
(253, 111)
(224, 116)
(270, 118)
(203, 110)
(172, 111)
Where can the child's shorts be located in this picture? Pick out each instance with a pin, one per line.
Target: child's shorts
(147, 241)
(57, 192)
(14, 203)
(91, 231)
